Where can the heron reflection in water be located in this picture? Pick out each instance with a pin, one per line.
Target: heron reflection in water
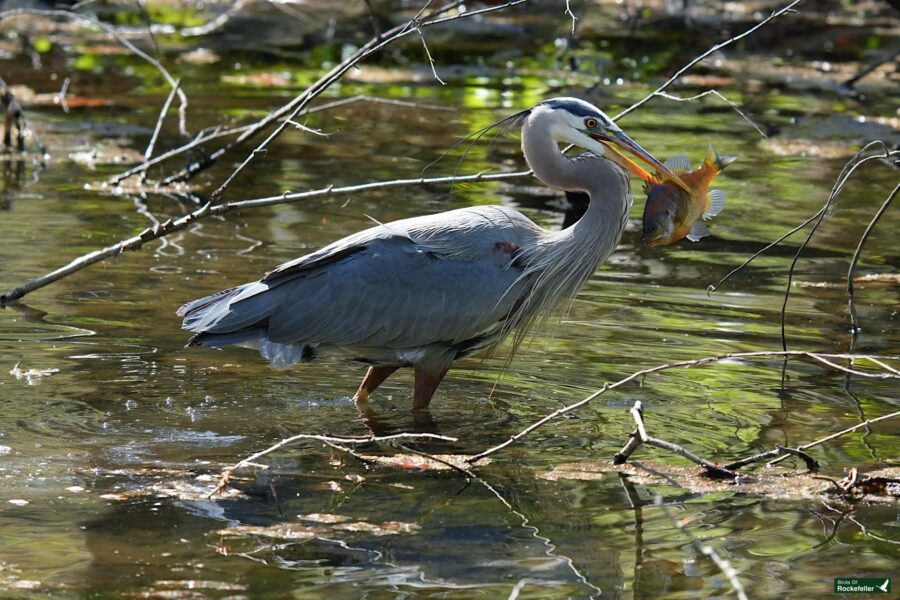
(425, 291)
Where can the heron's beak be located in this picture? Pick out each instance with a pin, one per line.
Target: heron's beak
(614, 140)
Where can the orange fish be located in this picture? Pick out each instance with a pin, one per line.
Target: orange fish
(673, 211)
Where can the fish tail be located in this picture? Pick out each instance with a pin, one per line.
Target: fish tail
(715, 162)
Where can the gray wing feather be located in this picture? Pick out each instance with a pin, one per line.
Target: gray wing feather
(409, 283)
(392, 294)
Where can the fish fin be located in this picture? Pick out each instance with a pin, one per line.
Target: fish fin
(715, 161)
(698, 231)
(716, 203)
(678, 164)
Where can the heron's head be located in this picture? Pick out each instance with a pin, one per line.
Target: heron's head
(577, 122)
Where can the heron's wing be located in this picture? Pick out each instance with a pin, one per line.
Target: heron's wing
(465, 233)
(441, 278)
(394, 294)
(328, 254)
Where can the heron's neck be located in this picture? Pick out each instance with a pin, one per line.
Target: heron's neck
(597, 233)
(559, 263)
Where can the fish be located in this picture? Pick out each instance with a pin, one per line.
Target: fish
(674, 208)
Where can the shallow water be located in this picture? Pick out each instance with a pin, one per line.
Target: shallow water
(109, 460)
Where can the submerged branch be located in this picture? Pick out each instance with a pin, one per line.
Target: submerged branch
(331, 441)
(820, 358)
(639, 436)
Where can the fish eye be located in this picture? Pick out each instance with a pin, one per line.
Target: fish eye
(590, 122)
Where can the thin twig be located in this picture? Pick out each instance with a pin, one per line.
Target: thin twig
(371, 47)
(570, 14)
(716, 93)
(60, 97)
(782, 11)
(326, 439)
(854, 163)
(713, 287)
(201, 138)
(854, 326)
(217, 132)
(145, 17)
(869, 533)
(781, 454)
(213, 24)
(430, 59)
(162, 116)
(818, 357)
(373, 18)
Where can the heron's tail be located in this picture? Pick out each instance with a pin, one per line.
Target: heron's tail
(240, 316)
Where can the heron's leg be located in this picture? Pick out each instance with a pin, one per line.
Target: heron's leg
(426, 384)
(375, 376)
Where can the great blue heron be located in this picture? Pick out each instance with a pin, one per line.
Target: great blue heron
(424, 291)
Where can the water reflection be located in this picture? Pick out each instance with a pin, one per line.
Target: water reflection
(13, 172)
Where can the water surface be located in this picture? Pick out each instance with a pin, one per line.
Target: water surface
(103, 486)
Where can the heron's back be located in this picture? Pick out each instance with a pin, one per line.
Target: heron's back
(416, 290)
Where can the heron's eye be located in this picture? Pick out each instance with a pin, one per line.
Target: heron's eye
(590, 122)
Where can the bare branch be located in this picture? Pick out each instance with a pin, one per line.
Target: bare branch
(641, 434)
(716, 93)
(325, 439)
(870, 534)
(854, 163)
(818, 357)
(713, 287)
(207, 210)
(214, 24)
(569, 13)
(306, 129)
(218, 132)
(162, 115)
(781, 454)
(293, 108)
(60, 97)
(854, 326)
(373, 18)
(430, 59)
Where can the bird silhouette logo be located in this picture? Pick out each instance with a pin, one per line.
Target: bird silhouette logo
(884, 587)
